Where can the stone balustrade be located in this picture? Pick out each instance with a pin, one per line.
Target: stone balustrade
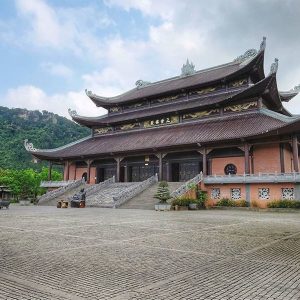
(60, 191)
(253, 178)
(186, 186)
(134, 190)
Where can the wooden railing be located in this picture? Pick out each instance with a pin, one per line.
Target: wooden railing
(135, 190)
(187, 186)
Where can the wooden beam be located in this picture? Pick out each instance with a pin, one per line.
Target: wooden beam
(67, 166)
(281, 156)
(295, 153)
(247, 165)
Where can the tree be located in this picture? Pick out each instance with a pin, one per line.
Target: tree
(163, 193)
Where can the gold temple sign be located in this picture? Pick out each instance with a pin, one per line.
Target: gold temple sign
(102, 130)
(115, 109)
(238, 83)
(200, 114)
(240, 107)
(161, 121)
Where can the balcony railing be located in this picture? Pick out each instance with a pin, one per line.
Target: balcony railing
(253, 178)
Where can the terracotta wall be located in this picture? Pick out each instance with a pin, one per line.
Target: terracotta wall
(76, 173)
(219, 163)
(225, 192)
(266, 159)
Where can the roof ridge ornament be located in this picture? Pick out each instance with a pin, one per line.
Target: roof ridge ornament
(296, 89)
(89, 93)
(72, 113)
(187, 69)
(274, 66)
(250, 53)
(29, 146)
(263, 44)
(141, 83)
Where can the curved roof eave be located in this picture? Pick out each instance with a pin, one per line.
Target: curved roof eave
(240, 68)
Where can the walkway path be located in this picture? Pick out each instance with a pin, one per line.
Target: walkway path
(119, 254)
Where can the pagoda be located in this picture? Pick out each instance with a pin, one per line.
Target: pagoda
(227, 122)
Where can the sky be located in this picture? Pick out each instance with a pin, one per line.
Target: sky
(52, 50)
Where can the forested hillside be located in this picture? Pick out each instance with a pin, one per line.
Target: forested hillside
(44, 129)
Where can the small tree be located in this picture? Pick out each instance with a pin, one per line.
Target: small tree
(163, 193)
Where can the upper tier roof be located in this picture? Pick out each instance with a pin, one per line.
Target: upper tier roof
(246, 125)
(222, 97)
(251, 61)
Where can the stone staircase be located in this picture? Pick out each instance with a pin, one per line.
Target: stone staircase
(66, 196)
(105, 196)
(146, 200)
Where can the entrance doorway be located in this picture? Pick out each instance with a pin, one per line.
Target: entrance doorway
(175, 172)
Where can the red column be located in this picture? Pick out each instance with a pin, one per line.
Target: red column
(295, 153)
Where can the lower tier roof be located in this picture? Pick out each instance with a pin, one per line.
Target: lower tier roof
(216, 129)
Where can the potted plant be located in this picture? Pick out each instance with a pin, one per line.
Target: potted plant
(201, 199)
(163, 195)
(181, 203)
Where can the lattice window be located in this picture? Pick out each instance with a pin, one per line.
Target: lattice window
(215, 193)
(236, 194)
(287, 194)
(264, 193)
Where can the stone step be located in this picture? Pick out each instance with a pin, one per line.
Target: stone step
(146, 200)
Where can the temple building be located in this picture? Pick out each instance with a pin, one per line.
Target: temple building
(227, 122)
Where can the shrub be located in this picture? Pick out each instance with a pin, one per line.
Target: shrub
(192, 186)
(284, 204)
(225, 202)
(241, 203)
(163, 184)
(201, 198)
(183, 201)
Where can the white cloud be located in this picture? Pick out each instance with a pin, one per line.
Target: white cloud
(34, 98)
(57, 69)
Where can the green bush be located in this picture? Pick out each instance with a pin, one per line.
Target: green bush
(163, 184)
(284, 204)
(184, 201)
(232, 203)
(225, 202)
(201, 198)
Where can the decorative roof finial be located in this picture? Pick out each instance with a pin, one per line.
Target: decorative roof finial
(296, 89)
(187, 69)
(274, 67)
(72, 113)
(29, 146)
(263, 44)
(141, 83)
(88, 93)
(250, 53)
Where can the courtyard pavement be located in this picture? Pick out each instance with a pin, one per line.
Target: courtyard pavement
(92, 253)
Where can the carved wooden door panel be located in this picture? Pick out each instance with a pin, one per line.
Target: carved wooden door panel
(110, 172)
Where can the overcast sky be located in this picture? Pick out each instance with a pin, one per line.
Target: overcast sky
(51, 50)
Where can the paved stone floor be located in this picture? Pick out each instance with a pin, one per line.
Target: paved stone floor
(92, 253)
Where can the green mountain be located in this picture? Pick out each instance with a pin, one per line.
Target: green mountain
(44, 129)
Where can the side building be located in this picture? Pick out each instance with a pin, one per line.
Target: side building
(227, 122)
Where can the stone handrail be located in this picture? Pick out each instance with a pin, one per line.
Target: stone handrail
(186, 186)
(60, 191)
(253, 178)
(55, 183)
(96, 187)
(135, 190)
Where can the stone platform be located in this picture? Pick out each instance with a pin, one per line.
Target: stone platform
(93, 253)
